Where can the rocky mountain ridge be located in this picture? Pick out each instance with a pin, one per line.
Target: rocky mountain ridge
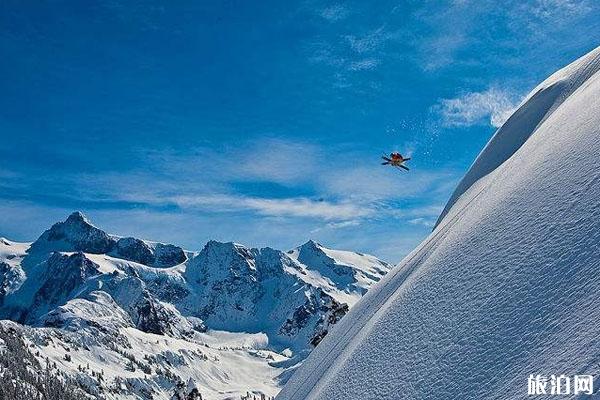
(104, 290)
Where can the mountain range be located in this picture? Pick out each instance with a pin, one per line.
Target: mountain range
(129, 318)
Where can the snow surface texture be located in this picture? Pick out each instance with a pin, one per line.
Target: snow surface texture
(507, 283)
(130, 318)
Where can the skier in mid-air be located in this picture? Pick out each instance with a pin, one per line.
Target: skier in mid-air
(395, 160)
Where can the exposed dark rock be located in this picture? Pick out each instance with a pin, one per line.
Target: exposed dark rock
(76, 233)
(4, 271)
(63, 274)
(156, 255)
(135, 250)
(153, 317)
(167, 255)
(335, 312)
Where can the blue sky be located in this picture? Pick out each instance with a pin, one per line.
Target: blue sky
(262, 122)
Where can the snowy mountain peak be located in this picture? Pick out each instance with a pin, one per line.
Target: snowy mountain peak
(214, 245)
(352, 273)
(76, 233)
(311, 244)
(77, 217)
(221, 259)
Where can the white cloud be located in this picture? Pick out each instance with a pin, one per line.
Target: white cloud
(269, 159)
(357, 50)
(493, 106)
(276, 160)
(287, 207)
(334, 13)
(439, 51)
(427, 222)
(449, 30)
(455, 29)
(301, 207)
(363, 65)
(332, 226)
(370, 183)
(552, 10)
(343, 224)
(370, 41)
(426, 211)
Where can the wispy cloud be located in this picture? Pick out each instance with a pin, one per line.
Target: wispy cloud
(276, 160)
(362, 65)
(353, 50)
(289, 207)
(492, 106)
(336, 225)
(343, 224)
(449, 28)
(427, 222)
(271, 177)
(267, 159)
(557, 10)
(334, 13)
(455, 28)
(369, 41)
(425, 211)
(372, 184)
(439, 51)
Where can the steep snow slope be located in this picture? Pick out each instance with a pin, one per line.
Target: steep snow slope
(505, 286)
(537, 107)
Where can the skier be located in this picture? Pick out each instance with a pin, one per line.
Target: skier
(395, 160)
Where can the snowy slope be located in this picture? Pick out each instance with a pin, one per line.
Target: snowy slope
(345, 275)
(507, 283)
(232, 318)
(140, 365)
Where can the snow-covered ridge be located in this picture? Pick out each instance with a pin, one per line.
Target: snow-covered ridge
(507, 283)
(261, 309)
(345, 275)
(77, 233)
(537, 107)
